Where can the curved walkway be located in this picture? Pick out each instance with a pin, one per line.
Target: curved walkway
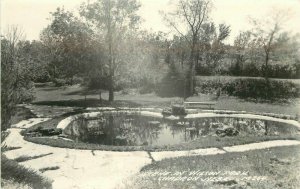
(86, 169)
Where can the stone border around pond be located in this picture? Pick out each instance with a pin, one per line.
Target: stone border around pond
(146, 112)
(96, 112)
(63, 124)
(196, 111)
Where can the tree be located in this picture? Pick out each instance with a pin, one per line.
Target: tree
(16, 85)
(192, 14)
(112, 19)
(266, 31)
(70, 44)
(33, 55)
(241, 46)
(211, 45)
(142, 60)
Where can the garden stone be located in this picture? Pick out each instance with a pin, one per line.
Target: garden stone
(33, 134)
(229, 131)
(167, 112)
(50, 132)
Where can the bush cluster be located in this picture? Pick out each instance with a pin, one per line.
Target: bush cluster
(261, 88)
(251, 88)
(171, 85)
(96, 82)
(58, 82)
(42, 77)
(285, 71)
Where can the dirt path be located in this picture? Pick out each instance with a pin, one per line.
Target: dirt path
(86, 169)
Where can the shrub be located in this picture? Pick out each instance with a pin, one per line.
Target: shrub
(285, 71)
(146, 86)
(74, 80)
(27, 94)
(10, 96)
(209, 86)
(59, 82)
(170, 87)
(97, 82)
(280, 71)
(261, 89)
(16, 76)
(146, 90)
(42, 77)
(172, 84)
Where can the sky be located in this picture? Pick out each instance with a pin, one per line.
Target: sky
(33, 15)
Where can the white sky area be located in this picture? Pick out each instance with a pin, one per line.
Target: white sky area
(31, 15)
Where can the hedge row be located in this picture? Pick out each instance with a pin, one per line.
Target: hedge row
(251, 88)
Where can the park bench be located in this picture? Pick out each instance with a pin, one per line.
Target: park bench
(201, 105)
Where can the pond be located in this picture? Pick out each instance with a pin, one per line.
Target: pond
(137, 130)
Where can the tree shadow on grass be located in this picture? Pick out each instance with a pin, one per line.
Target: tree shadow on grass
(91, 102)
(85, 91)
(49, 89)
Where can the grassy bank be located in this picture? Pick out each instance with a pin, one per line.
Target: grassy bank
(206, 142)
(77, 95)
(16, 175)
(270, 168)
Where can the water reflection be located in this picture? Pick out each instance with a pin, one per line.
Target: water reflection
(122, 129)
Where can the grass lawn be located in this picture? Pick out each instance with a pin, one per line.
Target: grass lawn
(74, 96)
(269, 168)
(232, 103)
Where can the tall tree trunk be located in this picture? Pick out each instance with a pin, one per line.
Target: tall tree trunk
(182, 59)
(190, 79)
(110, 59)
(111, 87)
(267, 65)
(191, 73)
